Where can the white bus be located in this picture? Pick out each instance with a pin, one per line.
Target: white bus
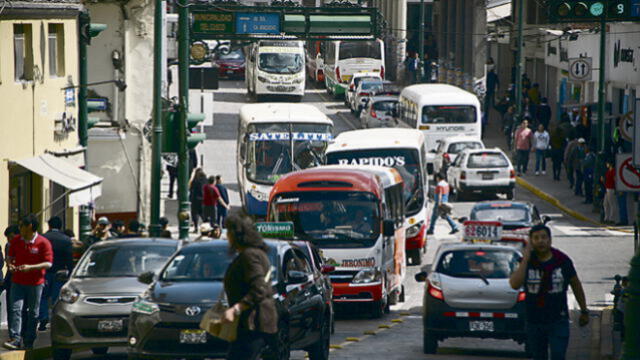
(276, 67)
(440, 111)
(404, 150)
(275, 139)
(345, 58)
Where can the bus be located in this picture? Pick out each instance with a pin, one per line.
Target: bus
(276, 67)
(440, 111)
(355, 215)
(345, 58)
(403, 150)
(275, 139)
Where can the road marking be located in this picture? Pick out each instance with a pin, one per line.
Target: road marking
(324, 97)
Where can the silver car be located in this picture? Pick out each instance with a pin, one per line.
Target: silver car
(94, 305)
(467, 294)
(379, 112)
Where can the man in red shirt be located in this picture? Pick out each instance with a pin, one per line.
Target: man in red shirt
(30, 255)
(609, 202)
(210, 199)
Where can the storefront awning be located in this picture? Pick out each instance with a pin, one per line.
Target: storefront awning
(83, 186)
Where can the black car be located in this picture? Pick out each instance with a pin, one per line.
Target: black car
(164, 322)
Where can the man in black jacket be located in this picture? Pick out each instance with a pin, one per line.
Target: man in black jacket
(62, 260)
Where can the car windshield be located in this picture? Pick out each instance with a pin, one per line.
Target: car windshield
(386, 105)
(330, 218)
(281, 63)
(360, 49)
(455, 148)
(123, 260)
(233, 55)
(510, 214)
(487, 160)
(488, 264)
(450, 114)
(406, 161)
(269, 153)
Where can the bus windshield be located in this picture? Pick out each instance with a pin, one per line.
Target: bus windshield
(360, 49)
(271, 153)
(406, 161)
(448, 114)
(330, 219)
(281, 63)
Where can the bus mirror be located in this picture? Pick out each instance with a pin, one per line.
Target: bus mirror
(388, 228)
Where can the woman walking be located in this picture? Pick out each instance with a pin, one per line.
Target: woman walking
(249, 291)
(197, 182)
(541, 143)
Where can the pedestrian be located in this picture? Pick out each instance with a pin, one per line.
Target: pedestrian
(77, 245)
(9, 233)
(569, 152)
(493, 83)
(528, 109)
(101, 232)
(609, 203)
(172, 170)
(118, 228)
(557, 148)
(413, 66)
(523, 139)
(134, 230)
(196, 184)
(534, 94)
(427, 66)
(546, 273)
(222, 211)
(543, 113)
(588, 164)
(210, 200)
(578, 156)
(541, 143)
(248, 289)
(508, 122)
(30, 255)
(62, 248)
(441, 197)
(164, 227)
(407, 73)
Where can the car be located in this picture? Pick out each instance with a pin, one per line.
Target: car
(379, 112)
(355, 81)
(488, 171)
(467, 294)
(94, 304)
(230, 65)
(447, 149)
(165, 320)
(364, 89)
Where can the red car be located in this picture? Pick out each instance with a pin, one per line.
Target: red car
(230, 65)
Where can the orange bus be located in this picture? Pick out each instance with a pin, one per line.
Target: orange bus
(355, 214)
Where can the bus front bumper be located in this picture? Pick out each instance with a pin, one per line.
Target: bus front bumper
(348, 292)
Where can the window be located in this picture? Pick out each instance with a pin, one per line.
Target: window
(22, 52)
(56, 50)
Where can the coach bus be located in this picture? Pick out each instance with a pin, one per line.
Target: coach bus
(355, 215)
(345, 58)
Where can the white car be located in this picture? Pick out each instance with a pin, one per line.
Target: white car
(365, 88)
(379, 112)
(451, 147)
(487, 171)
(355, 81)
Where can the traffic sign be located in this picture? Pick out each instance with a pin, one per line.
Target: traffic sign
(592, 10)
(580, 69)
(258, 23)
(627, 175)
(212, 22)
(636, 136)
(626, 126)
(283, 230)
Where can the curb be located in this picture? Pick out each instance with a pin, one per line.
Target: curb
(37, 353)
(555, 202)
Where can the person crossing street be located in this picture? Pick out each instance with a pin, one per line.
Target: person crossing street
(441, 197)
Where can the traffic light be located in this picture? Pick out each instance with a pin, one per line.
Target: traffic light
(193, 138)
(87, 29)
(587, 10)
(169, 131)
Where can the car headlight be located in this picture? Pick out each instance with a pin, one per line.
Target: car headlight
(143, 306)
(366, 276)
(259, 195)
(68, 294)
(262, 79)
(414, 229)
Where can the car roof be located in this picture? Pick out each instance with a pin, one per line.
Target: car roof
(137, 241)
(461, 138)
(464, 246)
(379, 138)
(485, 150)
(501, 204)
(384, 98)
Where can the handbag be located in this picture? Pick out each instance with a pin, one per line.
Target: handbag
(444, 209)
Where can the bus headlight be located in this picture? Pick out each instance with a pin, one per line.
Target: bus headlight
(366, 276)
(262, 79)
(414, 229)
(259, 195)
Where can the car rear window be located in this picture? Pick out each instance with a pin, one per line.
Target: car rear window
(487, 160)
(490, 264)
(384, 105)
(459, 146)
(501, 214)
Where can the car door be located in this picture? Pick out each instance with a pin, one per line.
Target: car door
(454, 171)
(437, 161)
(299, 295)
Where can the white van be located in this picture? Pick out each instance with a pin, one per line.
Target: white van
(440, 111)
(276, 67)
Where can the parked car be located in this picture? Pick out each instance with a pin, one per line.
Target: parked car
(379, 112)
(355, 81)
(94, 305)
(487, 171)
(447, 149)
(230, 65)
(164, 321)
(468, 295)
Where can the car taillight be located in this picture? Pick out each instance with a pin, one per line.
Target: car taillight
(373, 113)
(382, 72)
(522, 296)
(463, 175)
(434, 291)
(338, 74)
(512, 174)
(364, 94)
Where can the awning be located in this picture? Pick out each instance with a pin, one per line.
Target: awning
(83, 186)
(499, 12)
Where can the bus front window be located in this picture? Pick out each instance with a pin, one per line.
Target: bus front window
(449, 114)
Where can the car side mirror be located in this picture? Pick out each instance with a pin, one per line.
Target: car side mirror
(546, 219)
(421, 276)
(327, 269)
(146, 277)
(295, 277)
(388, 228)
(62, 275)
(462, 219)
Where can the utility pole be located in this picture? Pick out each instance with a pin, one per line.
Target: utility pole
(156, 142)
(421, 39)
(601, 102)
(183, 156)
(519, 49)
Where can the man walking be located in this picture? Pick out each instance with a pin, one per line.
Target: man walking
(210, 200)
(62, 260)
(441, 197)
(588, 164)
(569, 152)
(544, 113)
(542, 139)
(30, 255)
(577, 157)
(221, 213)
(546, 273)
(523, 140)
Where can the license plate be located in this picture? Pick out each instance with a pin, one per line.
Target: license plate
(193, 337)
(487, 176)
(482, 230)
(481, 326)
(110, 325)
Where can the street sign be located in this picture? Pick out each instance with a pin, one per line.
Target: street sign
(212, 23)
(636, 137)
(626, 126)
(258, 23)
(593, 10)
(580, 69)
(275, 229)
(627, 175)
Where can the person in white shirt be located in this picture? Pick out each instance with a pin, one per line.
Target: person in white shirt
(541, 140)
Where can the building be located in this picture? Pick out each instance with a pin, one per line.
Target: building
(40, 164)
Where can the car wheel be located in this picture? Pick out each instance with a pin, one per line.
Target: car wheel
(61, 354)
(100, 350)
(320, 350)
(511, 194)
(429, 343)
(283, 350)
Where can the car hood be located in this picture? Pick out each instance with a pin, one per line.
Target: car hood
(108, 285)
(186, 292)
